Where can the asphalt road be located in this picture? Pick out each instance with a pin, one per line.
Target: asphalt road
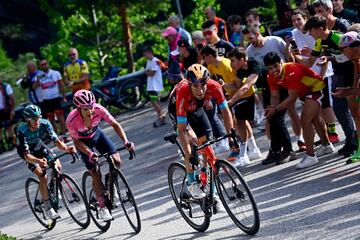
(322, 202)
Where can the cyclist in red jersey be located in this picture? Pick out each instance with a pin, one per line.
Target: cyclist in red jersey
(83, 125)
(301, 82)
(186, 103)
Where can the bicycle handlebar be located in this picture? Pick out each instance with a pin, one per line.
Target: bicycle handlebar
(73, 155)
(232, 134)
(132, 153)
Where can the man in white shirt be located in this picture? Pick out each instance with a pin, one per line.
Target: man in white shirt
(53, 93)
(7, 113)
(154, 84)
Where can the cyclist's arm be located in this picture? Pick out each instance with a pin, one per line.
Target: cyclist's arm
(228, 120)
(23, 149)
(82, 147)
(184, 139)
(119, 131)
(61, 145)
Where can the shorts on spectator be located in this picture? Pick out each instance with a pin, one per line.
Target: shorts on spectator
(317, 96)
(153, 96)
(53, 107)
(244, 109)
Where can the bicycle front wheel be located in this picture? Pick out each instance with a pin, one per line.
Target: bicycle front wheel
(74, 201)
(189, 208)
(92, 203)
(127, 200)
(36, 203)
(237, 198)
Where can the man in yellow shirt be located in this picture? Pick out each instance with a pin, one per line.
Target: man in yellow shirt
(76, 72)
(221, 70)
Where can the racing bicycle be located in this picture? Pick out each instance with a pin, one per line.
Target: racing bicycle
(233, 191)
(117, 192)
(61, 187)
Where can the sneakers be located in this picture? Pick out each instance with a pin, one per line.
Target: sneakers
(218, 204)
(104, 214)
(195, 190)
(324, 150)
(301, 146)
(334, 138)
(160, 122)
(254, 154)
(286, 156)
(354, 158)
(272, 157)
(348, 149)
(307, 161)
(235, 159)
(52, 214)
(233, 156)
(222, 146)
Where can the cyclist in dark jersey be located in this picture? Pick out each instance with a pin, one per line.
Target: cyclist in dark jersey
(30, 138)
(186, 103)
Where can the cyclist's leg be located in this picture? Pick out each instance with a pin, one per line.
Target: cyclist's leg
(105, 145)
(94, 172)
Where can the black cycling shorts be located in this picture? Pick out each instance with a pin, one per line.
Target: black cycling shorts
(244, 109)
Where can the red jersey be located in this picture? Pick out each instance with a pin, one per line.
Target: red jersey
(186, 102)
(296, 76)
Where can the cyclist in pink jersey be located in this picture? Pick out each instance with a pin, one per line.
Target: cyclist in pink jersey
(83, 125)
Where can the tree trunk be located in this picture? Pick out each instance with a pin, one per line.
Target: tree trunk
(98, 48)
(127, 35)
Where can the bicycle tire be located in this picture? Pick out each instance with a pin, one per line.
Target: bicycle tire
(91, 202)
(130, 94)
(73, 200)
(238, 190)
(32, 185)
(187, 207)
(127, 200)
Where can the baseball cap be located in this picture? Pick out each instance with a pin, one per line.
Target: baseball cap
(350, 39)
(169, 31)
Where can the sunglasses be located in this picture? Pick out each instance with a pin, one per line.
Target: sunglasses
(207, 32)
(43, 64)
(34, 119)
(72, 54)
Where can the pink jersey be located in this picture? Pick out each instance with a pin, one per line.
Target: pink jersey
(76, 125)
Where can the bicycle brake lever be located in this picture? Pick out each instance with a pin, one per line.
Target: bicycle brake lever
(132, 155)
(75, 157)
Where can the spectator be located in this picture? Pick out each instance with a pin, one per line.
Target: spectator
(198, 39)
(32, 72)
(243, 101)
(324, 8)
(236, 38)
(76, 72)
(343, 75)
(280, 145)
(304, 44)
(174, 22)
(220, 23)
(300, 82)
(306, 6)
(210, 33)
(172, 36)
(253, 18)
(154, 84)
(187, 54)
(53, 92)
(341, 12)
(7, 113)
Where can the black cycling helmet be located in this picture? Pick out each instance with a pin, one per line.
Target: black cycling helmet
(31, 111)
(197, 74)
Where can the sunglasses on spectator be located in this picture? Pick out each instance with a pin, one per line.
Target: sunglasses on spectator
(43, 64)
(72, 54)
(207, 32)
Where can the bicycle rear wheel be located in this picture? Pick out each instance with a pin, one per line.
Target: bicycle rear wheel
(92, 203)
(237, 198)
(127, 200)
(74, 201)
(189, 208)
(36, 203)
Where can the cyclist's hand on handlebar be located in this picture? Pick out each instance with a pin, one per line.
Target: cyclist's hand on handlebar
(130, 146)
(93, 157)
(42, 162)
(71, 149)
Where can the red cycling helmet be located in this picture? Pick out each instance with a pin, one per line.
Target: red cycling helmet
(84, 99)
